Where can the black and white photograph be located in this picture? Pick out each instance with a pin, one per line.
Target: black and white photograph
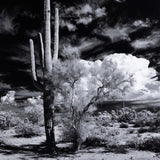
(80, 80)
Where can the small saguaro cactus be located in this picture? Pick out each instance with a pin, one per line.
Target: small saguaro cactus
(47, 65)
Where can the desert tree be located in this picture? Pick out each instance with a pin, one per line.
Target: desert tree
(48, 60)
(82, 84)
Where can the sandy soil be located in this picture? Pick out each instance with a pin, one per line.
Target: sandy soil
(90, 154)
(8, 141)
(9, 153)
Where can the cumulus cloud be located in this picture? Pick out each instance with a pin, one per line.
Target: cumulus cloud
(100, 12)
(151, 41)
(140, 23)
(81, 14)
(85, 9)
(138, 67)
(85, 20)
(68, 25)
(144, 85)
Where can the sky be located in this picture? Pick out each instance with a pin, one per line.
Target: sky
(144, 84)
(133, 27)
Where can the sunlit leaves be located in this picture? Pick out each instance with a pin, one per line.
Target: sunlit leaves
(80, 82)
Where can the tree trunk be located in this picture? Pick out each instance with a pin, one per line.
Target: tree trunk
(49, 117)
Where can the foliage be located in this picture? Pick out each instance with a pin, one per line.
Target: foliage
(34, 112)
(30, 124)
(147, 143)
(101, 136)
(27, 129)
(124, 115)
(104, 119)
(93, 130)
(95, 80)
(79, 84)
(94, 141)
(9, 119)
(71, 134)
(144, 118)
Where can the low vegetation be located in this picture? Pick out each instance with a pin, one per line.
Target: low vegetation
(125, 127)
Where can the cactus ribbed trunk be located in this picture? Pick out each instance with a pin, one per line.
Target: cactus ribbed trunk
(47, 37)
(47, 64)
(56, 35)
(47, 90)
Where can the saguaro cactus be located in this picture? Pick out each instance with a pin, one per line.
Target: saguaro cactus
(47, 65)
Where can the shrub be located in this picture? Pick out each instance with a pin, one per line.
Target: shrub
(28, 130)
(156, 120)
(9, 119)
(145, 118)
(72, 133)
(143, 130)
(123, 125)
(15, 121)
(112, 132)
(68, 134)
(35, 114)
(104, 118)
(89, 132)
(94, 141)
(124, 115)
(148, 143)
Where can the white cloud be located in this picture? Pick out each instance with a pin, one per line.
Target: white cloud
(151, 41)
(144, 85)
(138, 67)
(85, 10)
(85, 20)
(140, 23)
(99, 12)
(70, 26)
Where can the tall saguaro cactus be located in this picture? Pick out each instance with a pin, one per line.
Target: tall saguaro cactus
(47, 65)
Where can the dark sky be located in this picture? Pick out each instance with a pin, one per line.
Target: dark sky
(17, 17)
(22, 19)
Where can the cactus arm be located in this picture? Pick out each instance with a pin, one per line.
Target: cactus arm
(56, 36)
(36, 83)
(33, 63)
(41, 53)
(47, 43)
